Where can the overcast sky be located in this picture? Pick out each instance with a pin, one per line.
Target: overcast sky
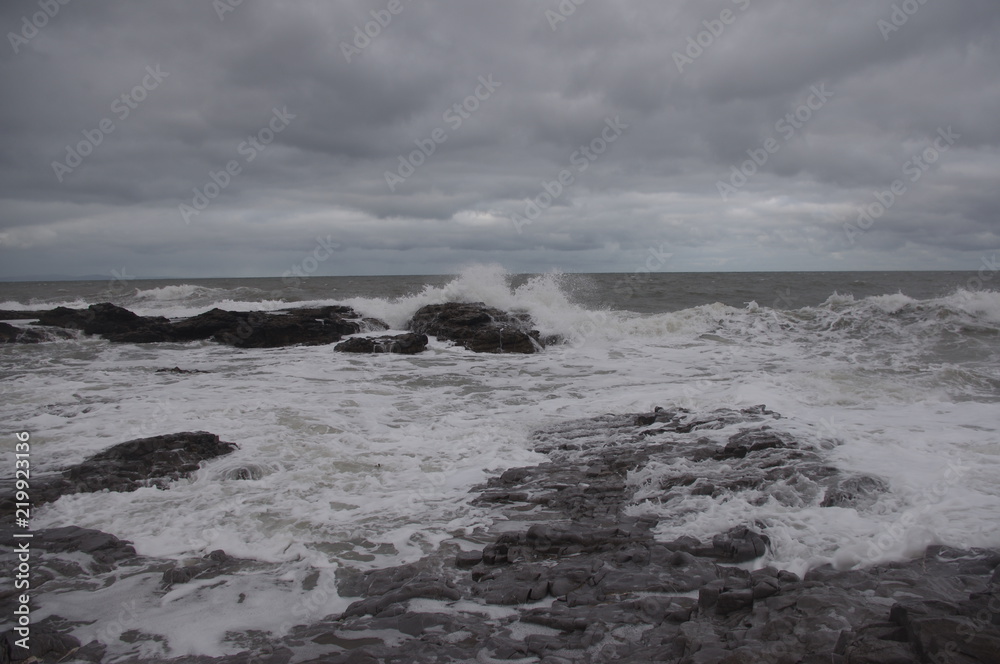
(729, 134)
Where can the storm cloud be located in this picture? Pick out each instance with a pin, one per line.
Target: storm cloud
(227, 138)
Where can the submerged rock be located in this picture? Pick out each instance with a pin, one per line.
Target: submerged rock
(403, 344)
(477, 327)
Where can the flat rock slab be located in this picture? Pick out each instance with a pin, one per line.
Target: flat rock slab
(611, 591)
(477, 327)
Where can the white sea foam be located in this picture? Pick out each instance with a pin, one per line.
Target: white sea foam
(369, 461)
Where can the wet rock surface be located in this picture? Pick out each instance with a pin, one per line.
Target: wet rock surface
(578, 570)
(309, 327)
(243, 329)
(109, 321)
(477, 327)
(154, 461)
(12, 334)
(8, 314)
(402, 344)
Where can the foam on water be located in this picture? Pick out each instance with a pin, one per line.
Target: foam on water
(35, 305)
(368, 461)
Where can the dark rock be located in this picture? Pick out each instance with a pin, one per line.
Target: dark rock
(76, 319)
(867, 649)
(466, 559)
(310, 327)
(7, 314)
(146, 461)
(859, 491)
(109, 321)
(478, 327)
(44, 645)
(214, 564)
(307, 326)
(765, 588)
(103, 547)
(207, 325)
(128, 466)
(752, 440)
(178, 370)
(941, 633)
(403, 344)
(734, 600)
(740, 545)
(92, 652)
(425, 589)
(11, 334)
(496, 553)
(571, 556)
(708, 595)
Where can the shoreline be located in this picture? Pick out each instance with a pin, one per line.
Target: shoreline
(572, 573)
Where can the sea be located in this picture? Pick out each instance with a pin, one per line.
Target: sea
(370, 461)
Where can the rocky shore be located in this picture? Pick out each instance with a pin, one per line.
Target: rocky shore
(576, 569)
(475, 326)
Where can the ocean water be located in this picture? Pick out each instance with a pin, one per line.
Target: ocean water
(369, 461)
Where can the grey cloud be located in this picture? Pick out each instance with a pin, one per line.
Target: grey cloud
(325, 173)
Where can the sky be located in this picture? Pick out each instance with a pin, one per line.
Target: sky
(239, 138)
